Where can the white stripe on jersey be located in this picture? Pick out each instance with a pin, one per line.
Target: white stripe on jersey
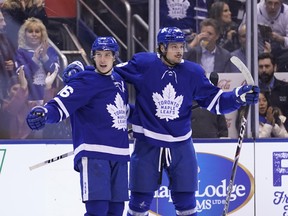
(215, 99)
(61, 105)
(85, 189)
(158, 136)
(101, 149)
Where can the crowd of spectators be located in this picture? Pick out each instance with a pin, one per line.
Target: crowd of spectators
(215, 31)
(28, 67)
(221, 36)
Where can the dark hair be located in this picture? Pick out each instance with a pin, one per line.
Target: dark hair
(265, 55)
(266, 94)
(216, 10)
(211, 22)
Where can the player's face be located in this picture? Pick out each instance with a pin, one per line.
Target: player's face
(104, 61)
(263, 104)
(33, 36)
(265, 70)
(175, 52)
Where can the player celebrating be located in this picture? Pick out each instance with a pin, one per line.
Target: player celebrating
(96, 101)
(165, 87)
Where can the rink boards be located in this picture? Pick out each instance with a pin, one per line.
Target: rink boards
(54, 189)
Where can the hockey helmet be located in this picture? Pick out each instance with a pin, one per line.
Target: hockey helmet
(167, 35)
(104, 44)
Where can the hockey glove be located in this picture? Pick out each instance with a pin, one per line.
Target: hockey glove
(71, 70)
(247, 94)
(37, 117)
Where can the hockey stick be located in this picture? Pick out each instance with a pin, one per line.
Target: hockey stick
(51, 160)
(249, 79)
(58, 158)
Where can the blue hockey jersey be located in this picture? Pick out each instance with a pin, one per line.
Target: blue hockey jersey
(97, 107)
(35, 73)
(164, 98)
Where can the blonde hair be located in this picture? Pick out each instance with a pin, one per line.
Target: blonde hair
(11, 4)
(31, 22)
(30, 3)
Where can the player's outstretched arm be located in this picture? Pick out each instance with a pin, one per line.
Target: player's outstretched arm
(247, 94)
(37, 117)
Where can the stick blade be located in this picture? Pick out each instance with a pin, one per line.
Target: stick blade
(244, 70)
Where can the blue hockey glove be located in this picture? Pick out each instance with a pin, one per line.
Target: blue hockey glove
(71, 70)
(247, 94)
(37, 117)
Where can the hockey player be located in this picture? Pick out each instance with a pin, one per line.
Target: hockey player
(96, 102)
(165, 87)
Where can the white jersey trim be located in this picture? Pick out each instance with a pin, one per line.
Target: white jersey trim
(101, 149)
(161, 137)
(215, 99)
(85, 189)
(61, 105)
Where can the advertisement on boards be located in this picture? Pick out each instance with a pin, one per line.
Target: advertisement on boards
(53, 189)
(271, 177)
(215, 162)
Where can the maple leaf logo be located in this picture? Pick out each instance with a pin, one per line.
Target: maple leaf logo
(177, 9)
(167, 105)
(118, 113)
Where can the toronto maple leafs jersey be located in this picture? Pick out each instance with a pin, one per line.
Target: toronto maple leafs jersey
(97, 107)
(164, 98)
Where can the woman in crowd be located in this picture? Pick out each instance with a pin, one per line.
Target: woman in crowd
(270, 119)
(228, 39)
(17, 11)
(36, 56)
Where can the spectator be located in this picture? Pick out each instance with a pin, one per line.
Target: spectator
(273, 23)
(206, 52)
(14, 13)
(7, 66)
(36, 8)
(277, 89)
(37, 56)
(241, 52)
(185, 15)
(270, 119)
(17, 11)
(16, 105)
(220, 11)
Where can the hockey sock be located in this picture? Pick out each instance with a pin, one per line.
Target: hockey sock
(185, 203)
(96, 207)
(116, 209)
(139, 203)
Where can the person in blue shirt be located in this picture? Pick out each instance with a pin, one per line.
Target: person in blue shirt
(36, 57)
(96, 100)
(166, 86)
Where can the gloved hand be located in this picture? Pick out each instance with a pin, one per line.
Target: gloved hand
(37, 117)
(247, 94)
(71, 70)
